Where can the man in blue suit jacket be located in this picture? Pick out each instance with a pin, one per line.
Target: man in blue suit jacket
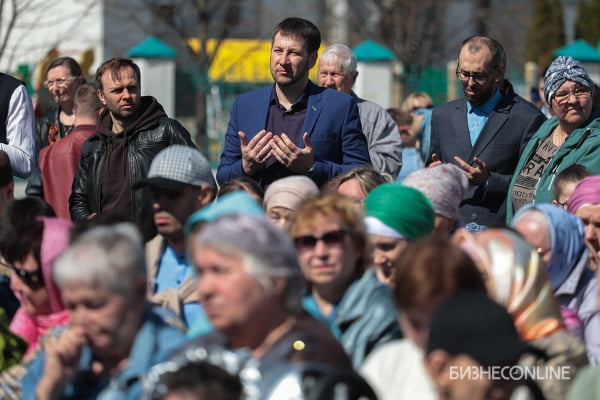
(294, 126)
(484, 133)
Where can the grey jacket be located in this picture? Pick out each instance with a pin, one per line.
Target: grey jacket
(383, 138)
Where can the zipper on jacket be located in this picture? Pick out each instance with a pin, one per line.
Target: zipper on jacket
(582, 139)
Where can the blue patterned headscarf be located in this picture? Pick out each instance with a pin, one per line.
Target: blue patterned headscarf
(567, 240)
(562, 69)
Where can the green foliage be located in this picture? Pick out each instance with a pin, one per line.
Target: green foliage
(588, 21)
(546, 32)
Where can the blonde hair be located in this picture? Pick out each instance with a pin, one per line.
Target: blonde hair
(310, 212)
(416, 100)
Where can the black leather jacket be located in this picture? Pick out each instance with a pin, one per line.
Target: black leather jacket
(144, 142)
(43, 124)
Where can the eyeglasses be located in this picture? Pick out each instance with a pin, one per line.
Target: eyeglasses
(578, 92)
(33, 279)
(60, 82)
(478, 77)
(330, 239)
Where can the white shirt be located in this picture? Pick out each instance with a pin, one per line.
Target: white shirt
(395, 371)
(20, 133)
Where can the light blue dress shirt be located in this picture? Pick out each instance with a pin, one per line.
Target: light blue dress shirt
(478, 116)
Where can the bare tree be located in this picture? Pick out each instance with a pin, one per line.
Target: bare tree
(207, 12)
(411, 29)
(10, 13)
(177, 21)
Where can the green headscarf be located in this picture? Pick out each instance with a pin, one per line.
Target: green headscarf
(405, 210)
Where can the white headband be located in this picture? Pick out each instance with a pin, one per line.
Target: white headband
(376, 227)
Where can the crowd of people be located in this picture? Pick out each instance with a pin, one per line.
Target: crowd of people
(341, 250)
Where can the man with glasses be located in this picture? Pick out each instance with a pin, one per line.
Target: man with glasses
(483, 134)
(17, 124)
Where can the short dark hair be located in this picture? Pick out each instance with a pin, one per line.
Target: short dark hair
(68, 62)
(302, 28)
(114, 66)
(243, 183)
(86, 100)
(201, 379)
(572, 174)
(475, 44)
(20, 229)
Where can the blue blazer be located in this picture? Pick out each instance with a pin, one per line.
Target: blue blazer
(504, 136)
(332, 121)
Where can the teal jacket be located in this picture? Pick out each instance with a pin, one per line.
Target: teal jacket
(582, 146)
(364, 318)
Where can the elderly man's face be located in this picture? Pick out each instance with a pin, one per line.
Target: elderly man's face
(333, 75)
(231, 297)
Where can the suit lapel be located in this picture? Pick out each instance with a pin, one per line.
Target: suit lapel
(313, 110)
(497, 119)
(459, 125)
(259, 109)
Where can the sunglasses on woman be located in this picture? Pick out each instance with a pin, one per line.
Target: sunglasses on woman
(33, 279)
(330, 239)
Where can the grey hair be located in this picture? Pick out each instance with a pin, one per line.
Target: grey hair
(266, 251)
(111, 257)
(534, 214)
(339, 53)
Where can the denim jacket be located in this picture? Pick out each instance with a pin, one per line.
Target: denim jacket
(154, 342)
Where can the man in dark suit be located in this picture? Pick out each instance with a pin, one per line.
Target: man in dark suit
(294, 126)
(483, 134)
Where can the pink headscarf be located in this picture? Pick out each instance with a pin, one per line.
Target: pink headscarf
(55, 240)
(587, 192)
(445, 185)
